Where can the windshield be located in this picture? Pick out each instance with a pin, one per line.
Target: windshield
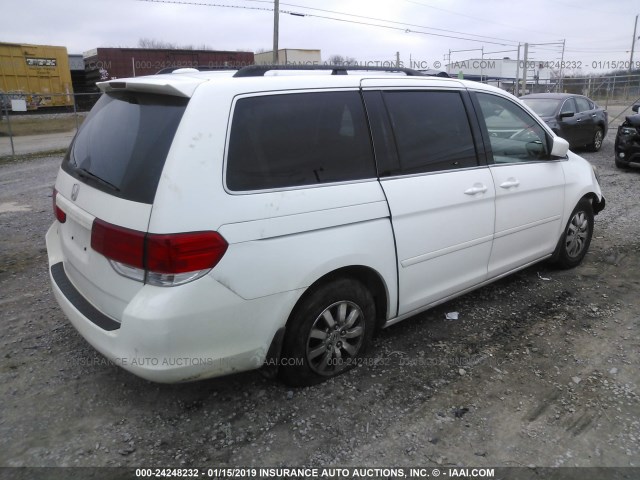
(545, 107)
(123, 144)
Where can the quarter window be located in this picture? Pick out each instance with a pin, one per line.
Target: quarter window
(431, 130)
(514, 135)
(298, 139)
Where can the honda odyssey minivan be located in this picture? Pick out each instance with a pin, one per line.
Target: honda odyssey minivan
(208, 223)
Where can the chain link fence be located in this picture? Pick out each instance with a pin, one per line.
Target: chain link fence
(30, 124)
(36, 122)
(616, 93)
(615, 89)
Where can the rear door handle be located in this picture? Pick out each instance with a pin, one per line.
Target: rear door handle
(511, 182)
(477, 188)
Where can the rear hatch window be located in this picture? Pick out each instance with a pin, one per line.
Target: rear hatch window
(122, 146)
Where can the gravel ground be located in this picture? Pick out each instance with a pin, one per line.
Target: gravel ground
(540, 369)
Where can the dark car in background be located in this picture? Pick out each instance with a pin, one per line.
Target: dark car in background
(627, 146)
(576, 118)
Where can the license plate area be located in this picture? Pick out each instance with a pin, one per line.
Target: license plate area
(76, 239)
(75, 232)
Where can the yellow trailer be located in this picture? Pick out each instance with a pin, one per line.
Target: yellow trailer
(38, 74)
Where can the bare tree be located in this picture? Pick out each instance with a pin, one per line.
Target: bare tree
(340, 60)
(152, 43)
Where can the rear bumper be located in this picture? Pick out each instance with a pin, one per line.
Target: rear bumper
(175, 334)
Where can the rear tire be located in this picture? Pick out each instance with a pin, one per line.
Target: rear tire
(598, 137)
(576, 238)
(327, 333)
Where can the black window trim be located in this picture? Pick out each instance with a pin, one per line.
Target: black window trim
(377, 118)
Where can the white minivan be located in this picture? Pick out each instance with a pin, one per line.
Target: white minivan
(216, 222)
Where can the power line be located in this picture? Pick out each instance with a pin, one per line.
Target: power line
(389, 27)
(201, 4)
(383, 20)
(469, 16)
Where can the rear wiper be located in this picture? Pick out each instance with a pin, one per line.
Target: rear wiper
(84, 173)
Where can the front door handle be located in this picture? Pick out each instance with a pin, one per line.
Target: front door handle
(477, 188)
(511, 182)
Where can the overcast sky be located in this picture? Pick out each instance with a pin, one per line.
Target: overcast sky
(597, 33)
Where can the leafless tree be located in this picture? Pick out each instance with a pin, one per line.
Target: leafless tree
(152, 43)
(340, 60)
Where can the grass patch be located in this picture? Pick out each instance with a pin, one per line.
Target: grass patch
(8, 159)
(31, 125)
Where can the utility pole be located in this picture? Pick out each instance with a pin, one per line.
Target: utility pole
(516, 80)
(633, 44)
(524, 69)
(562, 66)
(276, 15)
(397, 59)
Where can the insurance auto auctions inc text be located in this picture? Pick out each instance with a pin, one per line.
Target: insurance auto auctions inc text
(352, 472)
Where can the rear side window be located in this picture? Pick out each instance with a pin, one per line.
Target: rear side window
(298, 139)
(568, 106)
(583, 104)
(122, 146)
(432, 131)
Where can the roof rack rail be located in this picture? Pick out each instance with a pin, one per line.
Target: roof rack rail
(199, 68)
(260, 70)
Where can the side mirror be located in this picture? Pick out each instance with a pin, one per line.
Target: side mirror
(566, 114)
(560, 147)
(635, 107)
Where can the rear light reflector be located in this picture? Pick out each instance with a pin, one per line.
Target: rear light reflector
(57, 211)
(159, 259)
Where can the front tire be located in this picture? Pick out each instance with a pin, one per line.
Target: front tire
(327, 333)
(576, 237)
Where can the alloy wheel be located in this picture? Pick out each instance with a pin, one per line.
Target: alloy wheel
(577, 234)
(335, 338)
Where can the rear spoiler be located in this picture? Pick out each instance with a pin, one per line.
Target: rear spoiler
(180, 86)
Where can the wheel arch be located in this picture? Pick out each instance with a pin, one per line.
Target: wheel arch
(370, 278)
(597, 204)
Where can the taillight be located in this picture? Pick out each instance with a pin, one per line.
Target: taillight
(184, 252)
(57, 211)
(158, 259)
(117, 243)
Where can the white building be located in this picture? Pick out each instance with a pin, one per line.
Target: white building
(502, 72)
(290, 56)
